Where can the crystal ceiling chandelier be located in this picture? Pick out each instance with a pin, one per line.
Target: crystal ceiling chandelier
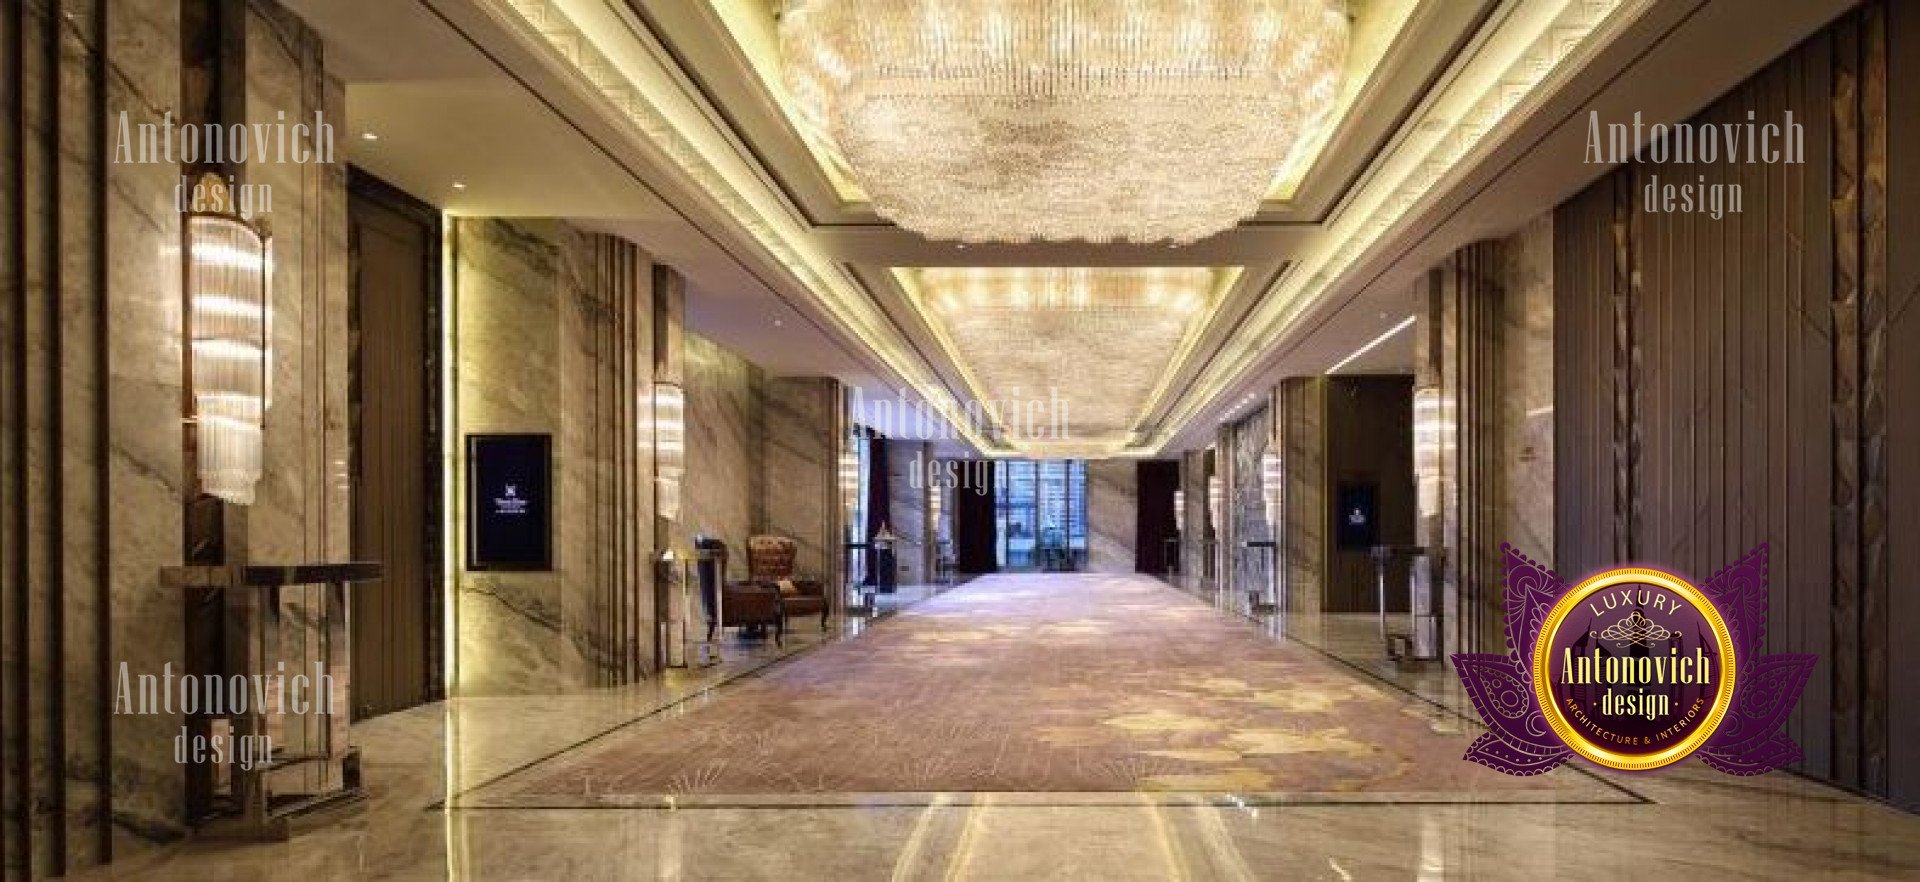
(1178, 291)
(1102, 120)
(1124, 329)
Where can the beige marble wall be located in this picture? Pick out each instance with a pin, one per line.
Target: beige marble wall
(1195, 573)
(910, 510)
(1526, 424)
(97, 484)
(301, 509)
(1302, 432)
(1113, 502)
(803, 424)
(548, 320)
(722, 495)
(1484, 376)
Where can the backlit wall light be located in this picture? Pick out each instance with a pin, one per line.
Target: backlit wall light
(229, 269)
(1272, 473)
(1433, 441)
(1180, 511)
(669, 447)
(849, 472)
(1214, 498)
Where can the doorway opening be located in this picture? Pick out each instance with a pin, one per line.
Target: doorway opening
(394, 409)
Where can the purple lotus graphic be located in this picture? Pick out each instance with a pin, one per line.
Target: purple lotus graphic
(1748, 740)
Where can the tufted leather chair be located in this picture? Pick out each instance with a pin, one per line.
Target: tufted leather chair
(770, 562)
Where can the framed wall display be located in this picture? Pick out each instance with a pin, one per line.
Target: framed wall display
(510, 502)
(1358, 518)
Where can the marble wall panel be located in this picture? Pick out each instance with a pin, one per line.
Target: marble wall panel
(301, 509)
(1248, 442)
(910, 508)
(1526, 419)
(803, 419)
(1485, 375)
(722, 494)
(547, 320)
(1113, 502)
(1196, 571)
(94, 320)
(507, 379)
(1304, 538)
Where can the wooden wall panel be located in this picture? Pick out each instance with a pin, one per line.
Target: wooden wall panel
(1903, 397)
(1747, 370)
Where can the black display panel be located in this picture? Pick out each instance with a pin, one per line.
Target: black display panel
(1357, 520)
(509, 502)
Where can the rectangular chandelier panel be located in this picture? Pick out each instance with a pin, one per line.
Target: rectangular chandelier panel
(1073, 357)
(1095, 120)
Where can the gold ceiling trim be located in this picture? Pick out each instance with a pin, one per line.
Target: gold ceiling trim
(1376, 26)
(1221, 283)
(1534, 48)
(619, 61)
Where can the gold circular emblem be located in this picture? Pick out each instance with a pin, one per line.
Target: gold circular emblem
(1557, 717)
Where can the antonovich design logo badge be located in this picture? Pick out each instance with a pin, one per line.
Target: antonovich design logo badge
(1635, 668)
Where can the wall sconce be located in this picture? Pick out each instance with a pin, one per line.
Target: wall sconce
(1432, 434)
(1180, 511)
(849, 473)
(229, 269)
(1273, 474)
(1214, 500)
(669, 447)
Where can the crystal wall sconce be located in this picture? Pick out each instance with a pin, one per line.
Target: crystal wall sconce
(669, 447)
(229, 269)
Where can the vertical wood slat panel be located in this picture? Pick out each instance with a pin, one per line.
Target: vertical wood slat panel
(1844, 305)
(14, 767)
(1903, 396)
(1873, 395)
(1764, 398)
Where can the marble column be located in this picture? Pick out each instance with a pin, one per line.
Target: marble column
(1113, 502)
(549, 324)
(1483, 399)
(1301, 431)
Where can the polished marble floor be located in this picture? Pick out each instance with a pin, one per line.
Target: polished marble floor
(1690, 823)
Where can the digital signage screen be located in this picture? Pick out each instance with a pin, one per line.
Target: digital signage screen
(509, 502)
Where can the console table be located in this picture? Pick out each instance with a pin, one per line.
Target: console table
(282, 765)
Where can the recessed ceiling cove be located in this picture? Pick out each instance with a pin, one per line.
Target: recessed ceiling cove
(1070, 360)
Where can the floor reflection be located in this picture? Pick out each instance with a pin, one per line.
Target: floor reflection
(1693, 823)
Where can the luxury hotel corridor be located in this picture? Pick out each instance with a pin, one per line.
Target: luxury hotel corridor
(1015, 726)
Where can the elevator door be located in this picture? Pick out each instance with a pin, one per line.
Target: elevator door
(393, 242)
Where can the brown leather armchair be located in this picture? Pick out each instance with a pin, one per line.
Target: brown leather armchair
(747, 605)
(770, 562)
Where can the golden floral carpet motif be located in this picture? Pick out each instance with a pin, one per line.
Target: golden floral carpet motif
(1039, 683)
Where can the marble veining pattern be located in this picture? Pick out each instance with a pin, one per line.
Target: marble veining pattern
(1112, 506)
(1253, 567)
(721, 495)
(1526, 418)
(909, 507)
(535, 354)
(801, 450)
